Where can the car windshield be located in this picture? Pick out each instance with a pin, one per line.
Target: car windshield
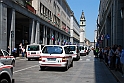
(52, 50)
(71, 48)
(33, 48)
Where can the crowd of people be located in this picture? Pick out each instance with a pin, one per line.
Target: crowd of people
(112, 56)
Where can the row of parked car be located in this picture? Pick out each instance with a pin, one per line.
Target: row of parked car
(55, 55)
(48, 56)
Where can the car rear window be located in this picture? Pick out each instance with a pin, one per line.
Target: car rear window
(85, 48)
(33, 48)
(52, 50)
(81, 48)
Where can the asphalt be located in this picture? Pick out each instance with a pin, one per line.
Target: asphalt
(116, 74)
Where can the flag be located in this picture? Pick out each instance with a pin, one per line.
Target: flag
(107, 36)
(58, 40)
(102, 37)
(52, 37)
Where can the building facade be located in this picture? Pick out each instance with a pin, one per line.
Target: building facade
(111, 23)
(74, 30)
(35, 21)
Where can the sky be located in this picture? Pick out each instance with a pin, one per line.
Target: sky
(91, 9)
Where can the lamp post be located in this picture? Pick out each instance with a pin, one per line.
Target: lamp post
(94, 43)
(122, 12)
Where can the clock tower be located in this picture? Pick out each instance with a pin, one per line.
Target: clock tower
(82, 29)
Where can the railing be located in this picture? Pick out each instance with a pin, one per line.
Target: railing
(20, 2)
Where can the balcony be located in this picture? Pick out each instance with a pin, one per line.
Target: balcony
(30, 8)
(27, 4)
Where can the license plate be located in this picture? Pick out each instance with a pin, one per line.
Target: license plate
(33, 52)
(51, 59)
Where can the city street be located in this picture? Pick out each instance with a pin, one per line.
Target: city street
(87, 70)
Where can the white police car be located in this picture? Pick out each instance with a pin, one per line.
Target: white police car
(6, 58)
(6, 73)
(55, 56)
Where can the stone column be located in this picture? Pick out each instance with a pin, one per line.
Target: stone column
(11, 20)
(3, 26)
(44, 35)
(32, 27)
(60, 37)
(37, 36)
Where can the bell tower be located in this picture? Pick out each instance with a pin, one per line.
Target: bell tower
(82, 29)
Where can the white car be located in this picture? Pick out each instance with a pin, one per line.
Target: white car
(76, 51)
(83, 50)
(55, 56)
(33, 51)
(6, 58)
(6, 73)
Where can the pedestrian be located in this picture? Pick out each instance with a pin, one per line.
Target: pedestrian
(8, 49)
(100, 54)
(122, 62)
(106, 55)
(118, 54)
(14, 52)
(23, 51)
(112, 57)
(20, 48)
(96, 52)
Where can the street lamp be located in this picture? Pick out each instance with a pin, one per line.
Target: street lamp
(122, 12)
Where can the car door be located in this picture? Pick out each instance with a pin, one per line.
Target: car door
(78, 51)
(2, 57)
(67, 53)
(8, 57)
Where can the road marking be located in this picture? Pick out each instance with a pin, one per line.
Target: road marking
(87, 59)
(25, 69)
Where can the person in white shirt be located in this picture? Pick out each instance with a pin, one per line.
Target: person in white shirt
(20, 48)
(118, 54)
(23, 51)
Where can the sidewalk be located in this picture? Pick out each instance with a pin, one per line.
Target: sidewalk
(17, 58)
(116, 74)
(20, 57)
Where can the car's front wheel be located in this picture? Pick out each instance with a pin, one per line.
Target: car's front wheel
(4, 81)
(13, 63)
(66, 68)
(71, 65)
